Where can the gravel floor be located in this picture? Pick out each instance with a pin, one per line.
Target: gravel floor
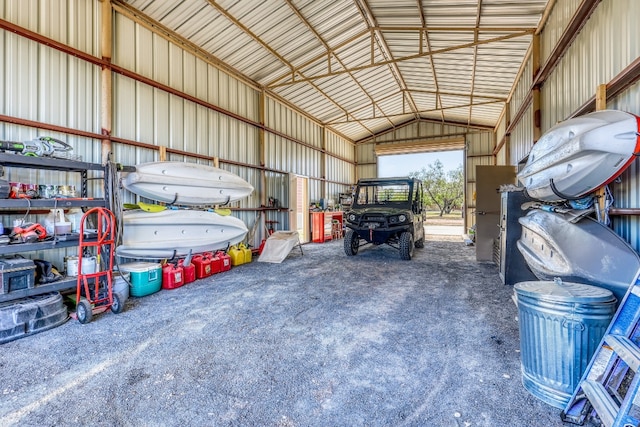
(319, 340)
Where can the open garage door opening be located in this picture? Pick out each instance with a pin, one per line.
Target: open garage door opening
(443, 177)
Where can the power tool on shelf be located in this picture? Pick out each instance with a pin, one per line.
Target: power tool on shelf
(28, 233)
(38, 147)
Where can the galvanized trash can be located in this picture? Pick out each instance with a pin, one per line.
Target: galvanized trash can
(561, 325)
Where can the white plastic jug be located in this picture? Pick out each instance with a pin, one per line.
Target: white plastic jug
(54, 217)
(75, 216)
(89, 265)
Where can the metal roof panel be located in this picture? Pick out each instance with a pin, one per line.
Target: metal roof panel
(366, 58)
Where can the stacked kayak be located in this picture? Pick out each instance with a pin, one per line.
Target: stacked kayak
(175, 232)
(189, 184)
(586, 252)
(580, 155)
(570, 162)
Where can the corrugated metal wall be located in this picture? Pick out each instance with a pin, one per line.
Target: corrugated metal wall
(326, 159)
(625, 190)
(522, 137)
(41, 84)
(605, 46)
(522, 87)
(152, 116)
(557, 22)
(422, 129)
(367, 161)
(49, 86)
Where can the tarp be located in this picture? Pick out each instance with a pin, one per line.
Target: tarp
(278, 246)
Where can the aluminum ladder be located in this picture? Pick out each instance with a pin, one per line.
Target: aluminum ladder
(609, 387)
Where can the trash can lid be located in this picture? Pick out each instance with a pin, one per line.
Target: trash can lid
(557, 290)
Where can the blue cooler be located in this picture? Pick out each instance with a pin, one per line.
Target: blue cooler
(145, 277)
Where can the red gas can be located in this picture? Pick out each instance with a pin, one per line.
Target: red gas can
(226, 260)
(203, 266)
(189, 271)
(172, 276)
(216, 262)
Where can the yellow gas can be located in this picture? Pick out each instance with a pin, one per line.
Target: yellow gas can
(237, 255)
(246, 251)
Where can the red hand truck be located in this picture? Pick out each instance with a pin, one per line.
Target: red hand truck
(94, 293)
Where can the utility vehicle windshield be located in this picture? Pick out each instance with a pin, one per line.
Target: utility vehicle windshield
(383, 193)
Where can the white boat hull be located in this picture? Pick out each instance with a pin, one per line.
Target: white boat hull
(174, 233)
(189, 184)
(580, 155)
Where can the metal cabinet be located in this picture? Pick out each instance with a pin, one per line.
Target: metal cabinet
(322, 225)
(513, 268)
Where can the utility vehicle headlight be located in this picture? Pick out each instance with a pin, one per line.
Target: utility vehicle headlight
(352, 217)
(402, 218)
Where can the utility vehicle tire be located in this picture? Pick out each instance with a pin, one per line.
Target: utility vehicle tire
(84, 312)
(117, 306)
(420, 239)
(406, 245)
(351, 243)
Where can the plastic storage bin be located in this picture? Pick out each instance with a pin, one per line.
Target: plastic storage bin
(121, 283)
(145, 277)
(31, 315)
(16, 274)
(561, 325)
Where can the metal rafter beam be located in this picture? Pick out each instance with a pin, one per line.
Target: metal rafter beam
(266, 46)
(401, 59)
(370, 19)
(481, 99)
(433, 110)
(420, 30)
(433, 66)
(475, 61)
(462, 94)
(329, 53)
(475, 29)
(475, 127)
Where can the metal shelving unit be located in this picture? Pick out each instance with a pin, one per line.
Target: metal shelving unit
(11, 206)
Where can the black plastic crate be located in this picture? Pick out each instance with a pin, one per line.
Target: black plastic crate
(16, 274)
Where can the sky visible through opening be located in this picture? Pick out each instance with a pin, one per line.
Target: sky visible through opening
(404, 164)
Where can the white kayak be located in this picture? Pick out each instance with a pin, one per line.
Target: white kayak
(580, 155)
(174, 233)
(586, 251)
(189, 184)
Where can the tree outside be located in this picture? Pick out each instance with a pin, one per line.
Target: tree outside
(443, 190)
